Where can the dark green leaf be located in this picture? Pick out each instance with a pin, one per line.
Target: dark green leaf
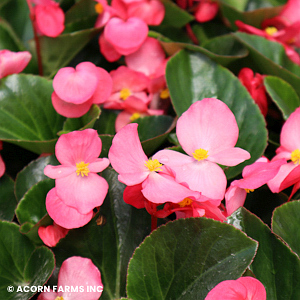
(282, 94)
(192, 77)
(8, 39)
(106, 122)
(106, 143)
(274, 264)
(187, 258)
(81, 10)
(8, 200)
(286, 224)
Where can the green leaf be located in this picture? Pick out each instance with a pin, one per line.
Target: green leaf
(32, 174)
(187, 258)
(21, 264)
(193, 76)
(274, 264)
(285, 223)
(106, 122)
(27, 117)
(8, 38)
(81, 10)
(32, 206)
(282, 94)
(270, 58)
(8, 200)
(111, 244)
(106, 143)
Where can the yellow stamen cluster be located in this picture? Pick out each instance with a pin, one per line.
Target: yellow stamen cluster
(271, 30)
(200, 154)
(134, 116)
(82, 169)
(99, 8)
(249, 190)
(59, 298)
(153, 165)
(185, 202)
(164, 94)
(295, 157)
(125, 93)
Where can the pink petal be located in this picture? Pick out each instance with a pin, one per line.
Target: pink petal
(255, 289)
(76, 85)
(98, 165)
(230, 157)
(77, 146)
(60, 171)
(68, 109)
(63, 215)
(290, 11)
(206, 11)
(2, 166)
(126, 36)
(127, 156)
(52, 234)
(292, 178)
(13, 62)
(108, 50)
(83, 193)
(234, 198)
(133, 196)
(147, 58)
(50, 19)
(172, 158)
(158, 188)
(78, 271)
(208, 124)
(47, 296)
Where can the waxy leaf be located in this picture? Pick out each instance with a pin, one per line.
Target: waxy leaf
(282, 94)
(21, 264)
(286, 223)
(274, 264)
(27, 117)
(111, 243)
(186, 258)
(193, 76)
(8, 200)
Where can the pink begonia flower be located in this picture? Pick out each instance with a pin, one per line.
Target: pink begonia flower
(78, 273)
(104, 11)
(75, 90)
(207, 132)
(108, 50)
(77, 183)
(49, 18)
(289, 150)
(52, 234)
(254, 176)
(129, 160)
(13, 62)
(244, 288)
(206, 10)
(2, 164)
(255, 86)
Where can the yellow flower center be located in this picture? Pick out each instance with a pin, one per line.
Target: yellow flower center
(82, 169)
(134, 116)
(200, 154)
(185, 202)
(59, 298)
(125, 93)
(249, 190)
(99, 8)
(164, 94)
(295, 157)
(271, 30)
(153, 165)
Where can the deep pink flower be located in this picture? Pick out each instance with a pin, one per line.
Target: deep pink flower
(206, 10)
(244, 288)
(13, 62)
(77, 183)
(52, 234)
(207, 132)
(76, 272)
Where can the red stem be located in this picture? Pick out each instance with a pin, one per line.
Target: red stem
(191, 34)
(153, 222)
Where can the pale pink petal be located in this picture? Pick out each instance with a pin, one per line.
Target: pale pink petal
(230, 157)
(98, 165)
(52, 234)
(68, 109)
(255, 289)
(77, 146)
(152, 12)
(50, 19)
(290, 135)
(234, 198)
(158, 188)
(2, 166)
(76, 85)
(108, 50)
(13, 62)
(172, 158)
(83, 193)
(208, 124)
(60, 171)
(228, 290)
(148, 58)
(127, 156)
(63, 215)
(78, 271)
(126, 36)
